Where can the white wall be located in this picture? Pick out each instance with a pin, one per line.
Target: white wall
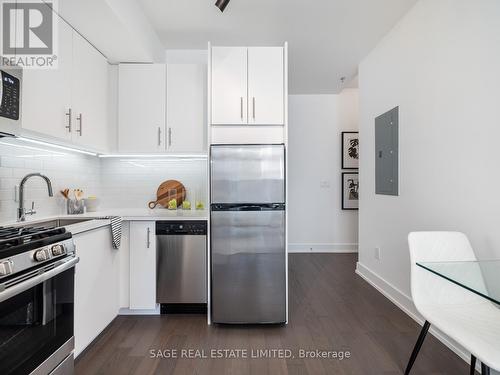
(315, 217)
(441, 66)
(186, 56)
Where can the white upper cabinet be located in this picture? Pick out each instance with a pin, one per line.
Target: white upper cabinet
(266, 86)
(162, 108)
(69, 103)
(141, 113)
(186, 108)
(248, 86)
(89, 95)
(229, 86)
(47, 93)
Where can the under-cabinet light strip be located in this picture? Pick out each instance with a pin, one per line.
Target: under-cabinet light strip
(135, 156)
(163, 156)
(29, 140)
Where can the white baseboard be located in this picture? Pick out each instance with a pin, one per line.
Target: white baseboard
(405, 303)
(322, 247)
(126, 311)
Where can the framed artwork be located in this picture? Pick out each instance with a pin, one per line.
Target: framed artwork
(350, 150)
(350, 191)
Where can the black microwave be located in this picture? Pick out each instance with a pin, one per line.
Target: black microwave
(10, 101)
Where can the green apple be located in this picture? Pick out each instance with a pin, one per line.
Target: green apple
(172, 204)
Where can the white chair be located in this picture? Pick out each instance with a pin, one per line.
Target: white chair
(469, 319)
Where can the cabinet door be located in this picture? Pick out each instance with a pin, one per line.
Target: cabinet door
(186, 104)
(142, 265)
(96, 285)
(90, 95)
(229, 85)
(141, 112)
(266, 86)
(47, 93)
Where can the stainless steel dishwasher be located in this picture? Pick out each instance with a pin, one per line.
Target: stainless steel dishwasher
(181, 266)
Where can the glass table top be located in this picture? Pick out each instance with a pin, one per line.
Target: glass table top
(481, 277)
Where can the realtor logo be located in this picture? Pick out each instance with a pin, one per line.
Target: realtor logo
(29, 33)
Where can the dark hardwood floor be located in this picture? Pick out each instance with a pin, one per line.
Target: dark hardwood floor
(331, 308)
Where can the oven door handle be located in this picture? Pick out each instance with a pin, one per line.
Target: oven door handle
(31, 282)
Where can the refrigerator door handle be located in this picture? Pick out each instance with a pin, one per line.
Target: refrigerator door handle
(248, 207)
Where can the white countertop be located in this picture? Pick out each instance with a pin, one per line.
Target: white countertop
(75, 228)
(140, 214)
(131, 214)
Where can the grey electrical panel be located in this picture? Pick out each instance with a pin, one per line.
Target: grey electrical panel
(387, 153)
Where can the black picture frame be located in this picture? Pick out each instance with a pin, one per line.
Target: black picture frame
(345, 179)
(347, 150)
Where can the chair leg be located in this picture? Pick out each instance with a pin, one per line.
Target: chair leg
(472, 364)
(417, 347)
(485, 370)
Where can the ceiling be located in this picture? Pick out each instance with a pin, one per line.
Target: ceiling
(327, 38)
(119, 29)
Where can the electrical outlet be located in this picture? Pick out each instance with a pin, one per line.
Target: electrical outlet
(324, 184)
(377, 253)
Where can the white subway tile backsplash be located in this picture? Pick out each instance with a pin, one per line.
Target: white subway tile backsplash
(5, 172)
(139, 179)
(12, 162)
(7, 195)
(118, 183)
(33, 164)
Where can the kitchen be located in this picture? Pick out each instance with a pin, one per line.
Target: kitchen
(141, 255)
(176, 194)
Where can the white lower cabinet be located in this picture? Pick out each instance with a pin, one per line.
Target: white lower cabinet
(142, 265)
(96, 285)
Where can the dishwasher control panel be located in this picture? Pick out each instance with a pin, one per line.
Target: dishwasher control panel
(191, 227)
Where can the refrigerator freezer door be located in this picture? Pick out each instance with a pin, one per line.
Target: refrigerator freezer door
(248, 174)
(248, 267)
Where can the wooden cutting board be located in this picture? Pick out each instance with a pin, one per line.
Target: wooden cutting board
(163, 194)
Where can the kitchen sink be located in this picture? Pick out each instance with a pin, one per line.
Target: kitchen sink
(56, 223)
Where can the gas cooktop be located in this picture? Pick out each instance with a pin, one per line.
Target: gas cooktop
(16, 240)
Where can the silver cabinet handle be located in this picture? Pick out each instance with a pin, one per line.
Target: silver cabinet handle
(148, 238)
(70, 116)
(159, 136)
(241, 107)
(80, 120)
(253, 107)
(169, 136)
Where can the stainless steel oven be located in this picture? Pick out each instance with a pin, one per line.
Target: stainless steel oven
(37, 306)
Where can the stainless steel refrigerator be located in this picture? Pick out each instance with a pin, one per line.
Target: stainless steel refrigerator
(248, 255)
